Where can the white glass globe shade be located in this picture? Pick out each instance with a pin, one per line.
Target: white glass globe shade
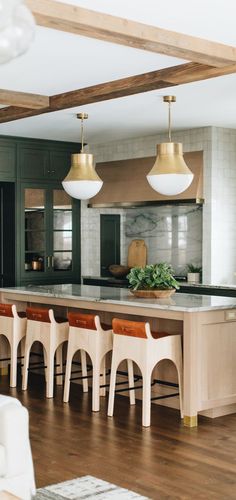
(170, 184)
(82, 190)
(16, 32)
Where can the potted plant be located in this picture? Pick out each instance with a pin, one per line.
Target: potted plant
(194, 273)
(153, 280)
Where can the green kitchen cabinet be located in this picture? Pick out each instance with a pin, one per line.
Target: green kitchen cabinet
(44, 162)
(110, 242)
(50, 235)
(33, 162)
(7, 161)
(60, 162)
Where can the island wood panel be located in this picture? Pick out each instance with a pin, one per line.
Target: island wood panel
(218, 353)
(124, 181)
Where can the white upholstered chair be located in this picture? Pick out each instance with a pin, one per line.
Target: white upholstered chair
(16, 466)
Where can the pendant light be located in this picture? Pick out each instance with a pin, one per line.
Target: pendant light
(17, 27)
(82, 181)
(170, 174)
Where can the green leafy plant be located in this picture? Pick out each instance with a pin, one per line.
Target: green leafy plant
(152, 276)
(192, 268)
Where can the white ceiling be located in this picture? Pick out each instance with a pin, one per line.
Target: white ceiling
(58, 62)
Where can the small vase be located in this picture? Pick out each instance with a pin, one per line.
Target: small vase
(150, 294)
(193, 277)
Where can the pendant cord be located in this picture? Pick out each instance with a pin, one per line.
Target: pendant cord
(82, 135)
(169, 121)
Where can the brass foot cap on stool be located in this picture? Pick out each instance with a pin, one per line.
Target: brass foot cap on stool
(190, 421)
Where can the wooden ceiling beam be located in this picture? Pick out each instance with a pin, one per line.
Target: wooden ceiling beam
(23, 99)
(74, 19)
(160, 79)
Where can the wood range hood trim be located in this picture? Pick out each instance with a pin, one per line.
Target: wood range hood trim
(125, 184)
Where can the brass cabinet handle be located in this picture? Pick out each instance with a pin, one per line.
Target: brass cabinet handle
(48, 261)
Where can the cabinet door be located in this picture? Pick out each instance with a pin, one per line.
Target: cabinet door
(110, 242)
(33, 163)
(51, 245)
(7, 162)
(36, 242)
(62, 236)
(60, 162)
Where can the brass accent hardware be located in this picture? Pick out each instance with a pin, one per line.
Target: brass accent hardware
(82, 168)
(190, 421)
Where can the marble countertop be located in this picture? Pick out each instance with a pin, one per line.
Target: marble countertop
(177, 302)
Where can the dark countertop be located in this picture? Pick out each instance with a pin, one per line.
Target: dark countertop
(185, 286)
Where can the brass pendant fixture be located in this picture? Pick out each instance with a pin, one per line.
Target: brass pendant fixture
(82, 181)
(170, 175)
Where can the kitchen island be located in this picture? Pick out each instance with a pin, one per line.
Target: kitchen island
(207, 324)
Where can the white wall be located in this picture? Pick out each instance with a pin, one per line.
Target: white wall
(219, 234)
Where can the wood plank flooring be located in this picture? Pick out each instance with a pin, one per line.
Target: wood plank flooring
(165, 461)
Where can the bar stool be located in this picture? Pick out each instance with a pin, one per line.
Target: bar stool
(134, 340)
(51, 332)
(13, 327)
(87, 335)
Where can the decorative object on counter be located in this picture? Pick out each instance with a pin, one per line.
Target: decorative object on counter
(137, 254)
(194, 273)
(119, 271)
(82, 181)
(153, 280)
(170, 175)
(17, 28)
(37, 264)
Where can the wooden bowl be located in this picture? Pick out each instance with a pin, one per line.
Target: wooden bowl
(152, 294)
(119, 271)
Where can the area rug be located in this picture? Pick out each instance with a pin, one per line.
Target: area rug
(86, 488)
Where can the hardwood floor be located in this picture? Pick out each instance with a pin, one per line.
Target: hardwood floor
(165, 461)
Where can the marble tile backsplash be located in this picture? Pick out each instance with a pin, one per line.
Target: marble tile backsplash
(171, 233)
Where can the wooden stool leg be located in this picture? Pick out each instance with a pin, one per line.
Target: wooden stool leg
(59, 362)
(26, 366)
(131, 381)
(146, 408)
(22, 353)
(45, 362)
(114, 366)
(84, 370)
(13, 367)
(50, 374)
(69, 358)
(103, 378)
(96, 385)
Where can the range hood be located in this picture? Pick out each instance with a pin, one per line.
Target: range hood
(125, 184)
